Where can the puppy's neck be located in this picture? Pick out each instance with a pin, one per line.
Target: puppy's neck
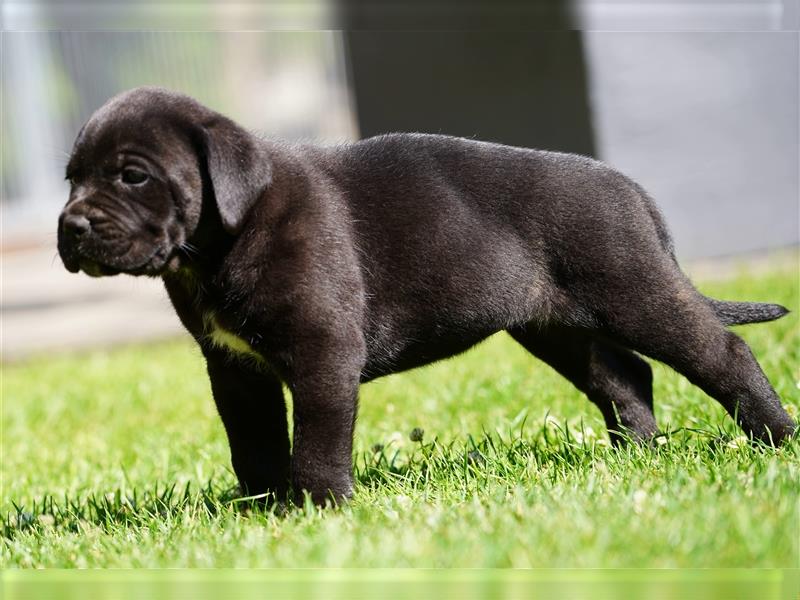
(209, 242)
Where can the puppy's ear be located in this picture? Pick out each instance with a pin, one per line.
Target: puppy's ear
(238, 167)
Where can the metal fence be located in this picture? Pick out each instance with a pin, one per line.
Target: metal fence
(287, 84)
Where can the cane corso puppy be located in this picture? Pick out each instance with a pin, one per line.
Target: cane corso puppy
(326, 267)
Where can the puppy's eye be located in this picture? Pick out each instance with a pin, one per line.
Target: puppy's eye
(134, 176)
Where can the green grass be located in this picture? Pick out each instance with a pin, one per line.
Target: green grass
(118, 459)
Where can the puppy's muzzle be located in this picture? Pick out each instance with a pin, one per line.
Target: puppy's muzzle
(86, 246)
(74, 233)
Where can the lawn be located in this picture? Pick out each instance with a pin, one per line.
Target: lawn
(118, 459)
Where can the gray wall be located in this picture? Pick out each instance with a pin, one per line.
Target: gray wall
(708, 123)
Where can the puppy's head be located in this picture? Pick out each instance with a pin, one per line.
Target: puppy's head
(142, 170)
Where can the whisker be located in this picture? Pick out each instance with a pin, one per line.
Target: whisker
(189, 250)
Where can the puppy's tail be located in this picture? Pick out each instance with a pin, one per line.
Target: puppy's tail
(741, 313)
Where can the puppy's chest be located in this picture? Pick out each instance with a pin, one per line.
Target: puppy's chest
(225, 330)
(215, 332)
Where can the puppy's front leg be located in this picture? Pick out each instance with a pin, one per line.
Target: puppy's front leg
(325, 394)
(251, 403)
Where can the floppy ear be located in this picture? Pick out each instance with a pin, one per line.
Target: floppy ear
(238, 167)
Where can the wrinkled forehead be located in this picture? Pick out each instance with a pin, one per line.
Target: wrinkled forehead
(119, 128)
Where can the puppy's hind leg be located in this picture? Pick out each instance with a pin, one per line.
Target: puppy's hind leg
(616, 380)
(674, 324)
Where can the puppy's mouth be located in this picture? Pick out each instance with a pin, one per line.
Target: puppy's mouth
(160, 261)
(93, 269)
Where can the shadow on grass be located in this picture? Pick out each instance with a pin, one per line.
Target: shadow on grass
(384, 470)
(550, 453)
(553, 453)
(162, 503)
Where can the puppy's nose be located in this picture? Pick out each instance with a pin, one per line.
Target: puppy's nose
(76, 225)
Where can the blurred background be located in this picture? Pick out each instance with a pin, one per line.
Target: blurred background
(698, 102)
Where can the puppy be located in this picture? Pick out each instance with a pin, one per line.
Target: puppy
(325, 267)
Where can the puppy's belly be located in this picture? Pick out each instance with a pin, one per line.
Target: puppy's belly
(405, 354)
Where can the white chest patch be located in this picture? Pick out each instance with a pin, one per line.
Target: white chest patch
(224, 339)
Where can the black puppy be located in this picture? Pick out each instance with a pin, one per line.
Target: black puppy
(325, 267)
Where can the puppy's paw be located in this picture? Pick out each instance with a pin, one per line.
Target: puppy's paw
(333, 492)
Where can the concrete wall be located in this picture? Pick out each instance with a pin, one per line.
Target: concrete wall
(708, 123)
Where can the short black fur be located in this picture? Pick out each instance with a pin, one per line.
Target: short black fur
(325, 267)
